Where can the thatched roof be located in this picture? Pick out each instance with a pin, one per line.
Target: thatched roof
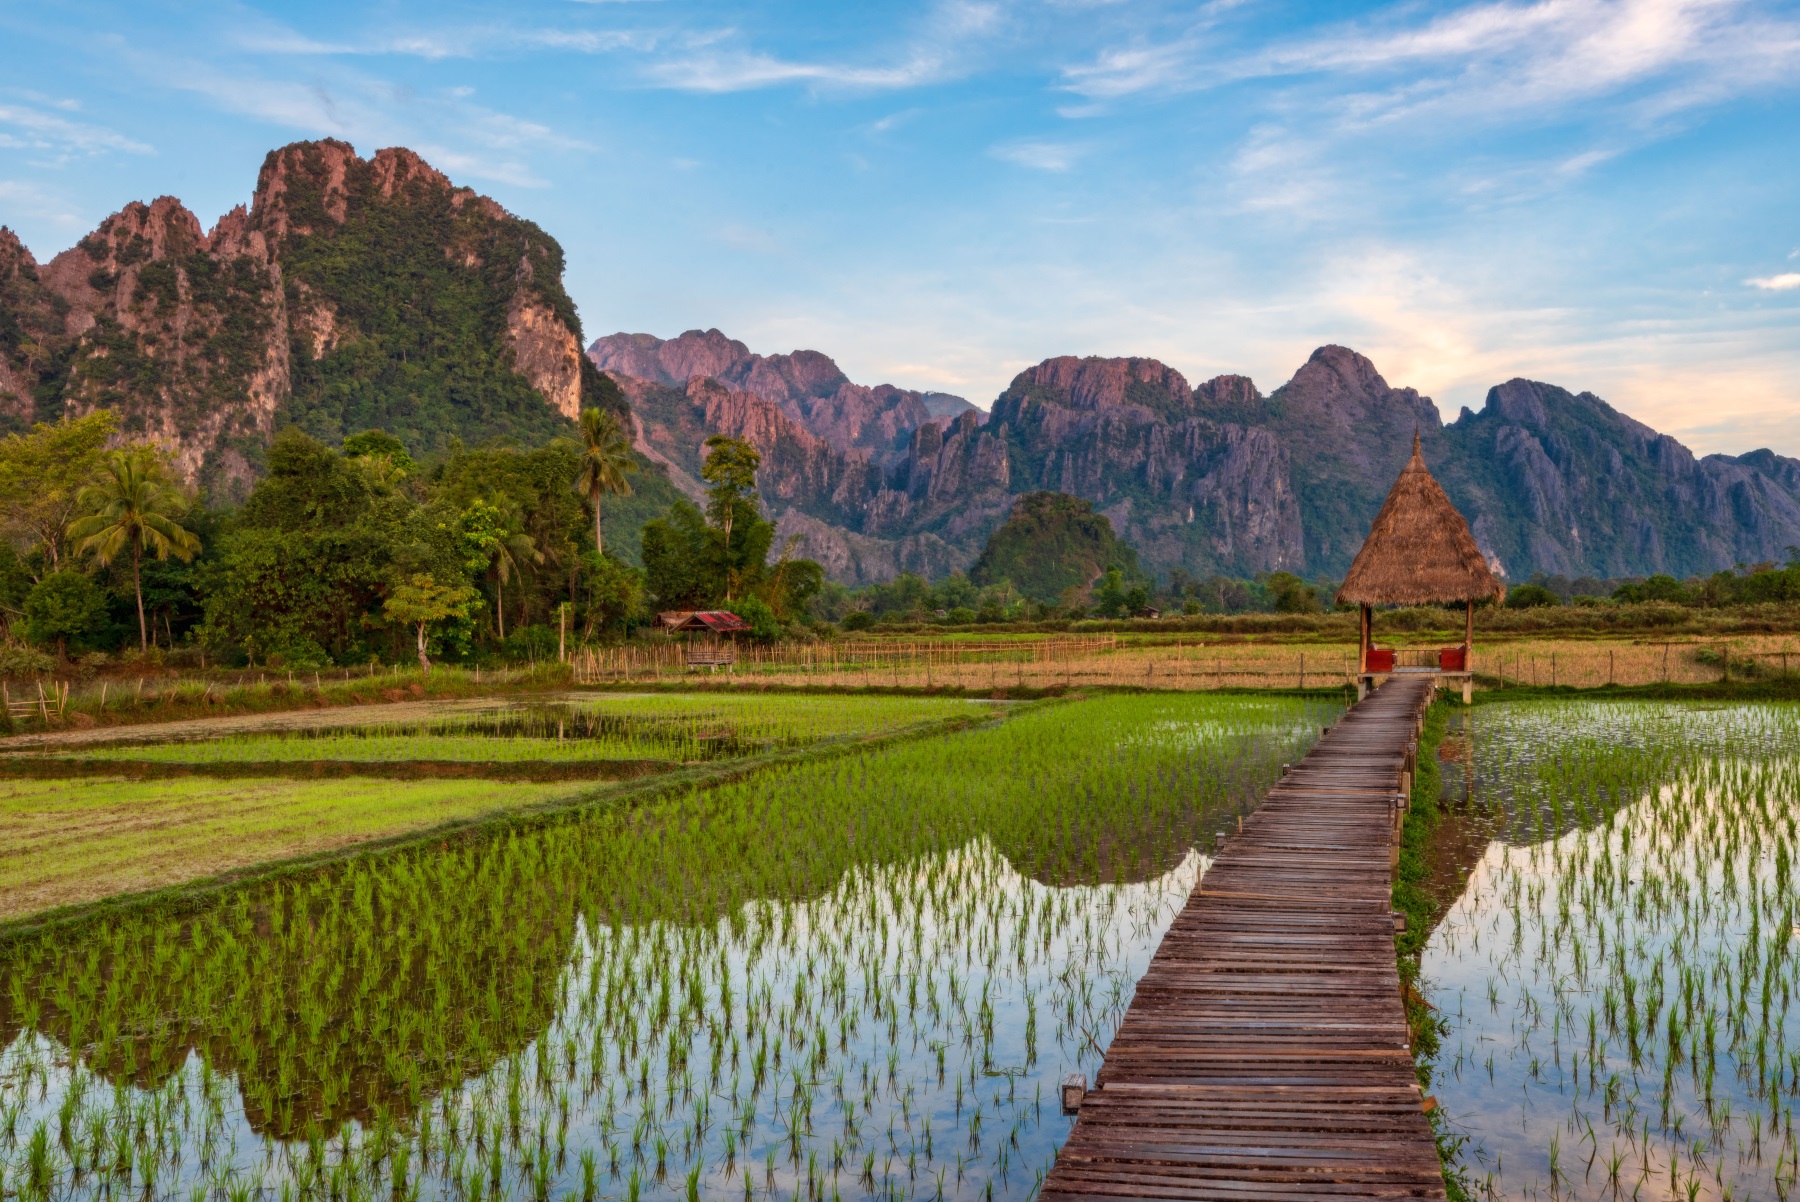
(1419, 551)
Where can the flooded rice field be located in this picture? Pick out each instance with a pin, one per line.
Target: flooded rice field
(1621, 951)
(861, 976)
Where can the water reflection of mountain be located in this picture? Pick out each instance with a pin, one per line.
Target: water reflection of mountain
(1533, 772)
(370, 986)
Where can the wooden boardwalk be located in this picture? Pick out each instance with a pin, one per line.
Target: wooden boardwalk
(1265, 1054)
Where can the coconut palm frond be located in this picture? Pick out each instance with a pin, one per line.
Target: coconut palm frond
(133, 507)
(606, 461)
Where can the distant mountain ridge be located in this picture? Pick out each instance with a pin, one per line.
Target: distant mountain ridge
(354, 293)
(806, 385)
(1217, 477)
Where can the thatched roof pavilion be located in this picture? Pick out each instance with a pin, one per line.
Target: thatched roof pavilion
(1419, 552)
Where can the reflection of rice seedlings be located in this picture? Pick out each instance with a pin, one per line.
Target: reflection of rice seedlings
(853, 976)
(1634, 946)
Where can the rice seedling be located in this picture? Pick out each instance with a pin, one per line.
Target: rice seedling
(852, 976)
(1622, 960)
(577, 729)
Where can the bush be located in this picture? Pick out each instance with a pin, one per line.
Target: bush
(765, 627)
(1292, 595)
(23, 661)
(530, 642)
(1656, 588)
(858, 619)
(962, 615)
(1531, 596)
(64, 607)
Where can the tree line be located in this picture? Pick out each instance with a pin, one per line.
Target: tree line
(360, 552)
(356, 553)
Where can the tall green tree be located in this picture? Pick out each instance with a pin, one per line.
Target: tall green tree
(133, 507)
(42, 474)
(682, 566)
(500, 547)
(606, 461)
(304, 565)
(732, 504)
(419, 601)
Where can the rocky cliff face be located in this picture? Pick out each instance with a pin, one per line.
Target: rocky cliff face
(806, 385)
(1558, 482)
(181, 333)
(350, 293)
(1216, 476)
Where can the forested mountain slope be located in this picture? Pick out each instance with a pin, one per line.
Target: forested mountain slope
(350, 294)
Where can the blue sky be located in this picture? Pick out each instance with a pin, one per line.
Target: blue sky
(1604, 194)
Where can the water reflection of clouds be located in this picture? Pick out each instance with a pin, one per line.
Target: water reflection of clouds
(1662, 912)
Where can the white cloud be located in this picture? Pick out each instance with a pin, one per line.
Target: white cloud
(1133, 69)
(1039, 156)
(22, 198)
(38, 130)
(710, 62)
(465, 140)
(1493, 58)
(740, 71)
(470, 41)
(1784, 282)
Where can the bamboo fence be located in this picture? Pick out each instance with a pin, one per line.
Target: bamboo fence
(1178, 664)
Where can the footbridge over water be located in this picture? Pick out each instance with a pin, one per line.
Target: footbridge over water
(1266, 1053)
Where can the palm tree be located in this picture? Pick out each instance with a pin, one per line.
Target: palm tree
(511, 552)
(605, 461)
(132, 506)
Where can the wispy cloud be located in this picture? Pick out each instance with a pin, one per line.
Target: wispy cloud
(739, 71)
(1504, 56)
(467, 140)
(1039, 156)
(716, 62)
(443, 42)
(22, 198)
(22, 127)
(1787, 281)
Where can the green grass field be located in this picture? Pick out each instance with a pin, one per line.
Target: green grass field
(85, 838)
(71, 841)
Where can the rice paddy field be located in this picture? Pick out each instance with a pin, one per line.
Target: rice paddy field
(575, 729)
(99, 813)
(1618, 964)
(861, 974)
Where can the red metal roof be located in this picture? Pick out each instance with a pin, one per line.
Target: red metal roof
(719, 621)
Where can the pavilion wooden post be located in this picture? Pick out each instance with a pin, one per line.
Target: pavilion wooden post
(1469, 655)
(1364, 628)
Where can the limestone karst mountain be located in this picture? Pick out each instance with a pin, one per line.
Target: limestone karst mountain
(354, 293)
(1214, 477)
(351, 293)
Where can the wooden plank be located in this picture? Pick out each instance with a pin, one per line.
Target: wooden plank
(1265, 1055)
